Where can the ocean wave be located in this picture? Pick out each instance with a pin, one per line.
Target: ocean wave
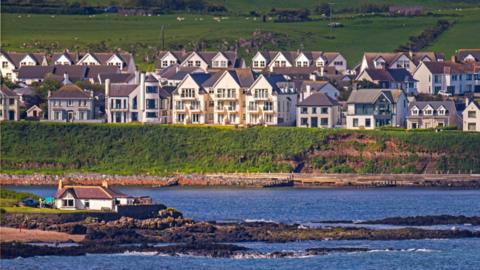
(248, 220)
(139, 253)
(402, 250)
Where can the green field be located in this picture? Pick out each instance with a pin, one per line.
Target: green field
(141, 35)
(165, 149)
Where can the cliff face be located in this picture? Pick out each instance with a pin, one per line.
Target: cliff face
(29, 147)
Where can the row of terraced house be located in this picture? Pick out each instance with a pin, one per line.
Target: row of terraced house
(279, 88)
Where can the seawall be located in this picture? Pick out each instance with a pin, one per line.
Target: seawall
(254, 180)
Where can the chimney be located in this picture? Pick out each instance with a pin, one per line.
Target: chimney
(137, 77)
(410, 54)
(60, 184)
(313, 77)
(65, 78)
(321, 72)
(308, 89)
(49, 93)
(104, 184)
(453, 59)
(467, 101)
(107, 87)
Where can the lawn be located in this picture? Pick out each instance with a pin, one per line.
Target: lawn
(23, 209)
(142, 34)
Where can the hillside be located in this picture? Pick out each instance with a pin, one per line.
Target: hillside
(28, 147)
(141, 34)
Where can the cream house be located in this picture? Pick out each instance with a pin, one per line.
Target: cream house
(318, 110)
(271, 100)
(12, 61)
(372, 108)
(471, 116)
(191, 102)
(9, 105)
(432, 114)
(453, 78)
(71, 104)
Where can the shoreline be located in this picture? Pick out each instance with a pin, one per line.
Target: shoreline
(252, 180)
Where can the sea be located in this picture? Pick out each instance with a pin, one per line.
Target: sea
(304, 206)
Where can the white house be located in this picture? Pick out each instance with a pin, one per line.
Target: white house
(432, 114)
(393, 60)
(471, 116)
(73, 197)
(9, 104)
(454, 78)
(71, 104)
(372, 108)
(205, 60)
(309, 87)
(12, 61)
(270, 60)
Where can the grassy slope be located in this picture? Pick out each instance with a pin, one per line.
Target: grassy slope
(359, 34)
(159, 149)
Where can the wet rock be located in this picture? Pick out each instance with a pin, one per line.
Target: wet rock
(426, 220)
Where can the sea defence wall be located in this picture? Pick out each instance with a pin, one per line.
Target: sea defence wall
(254, 180)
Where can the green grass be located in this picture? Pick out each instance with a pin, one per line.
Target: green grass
(164, 149)
(23, 209)
(141, 35)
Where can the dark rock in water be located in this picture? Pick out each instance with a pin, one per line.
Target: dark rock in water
(323, 250)
(426, 220)
(114, 235)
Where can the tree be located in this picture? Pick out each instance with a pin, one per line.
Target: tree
(48, 85)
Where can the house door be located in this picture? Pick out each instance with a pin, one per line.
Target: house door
(35, 114)
(314, 122)
(70, 116)
(11, 115)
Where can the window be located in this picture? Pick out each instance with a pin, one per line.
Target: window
(69, 103)
(469, 77)
(68, 203)
(255, 64)
(4, 64)
(324, 121)
(211, 104)
(232, 106)
(304, 110)
(134, 103)
(190, 63)
(368, 122)
(472, 114)
(11, 101)
(355, 122)
(87, 204)
(436, 78)
(320, 63)
(268, 106)
(414, 111)
(454, 77)
(197, 63)
(304, 121)
(252, 106)
(187, 93)
(428, 112)
(165, 63)
(151, 114)
(441, 111)
(180, 118)
(151, 103)
(268, 118)
(195, 118)
(338, 63)
(233, 118)
(179, 105)
(314, 109)
(220, 105)
(152, 89)
(324, 110)
(195, 105)
(414, 125)
(472, 127)
(118, 104)
(262, 63)
(261, 93)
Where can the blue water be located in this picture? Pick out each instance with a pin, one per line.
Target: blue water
(297, 205)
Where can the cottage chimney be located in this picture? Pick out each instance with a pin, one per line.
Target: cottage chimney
(60, 184)
(137, 77)
(410, 54)
(321, 72)
(107, 87)
(467, 101)
(453, 59)
(308, 90)
(313, 77)
(65, 78)
(142, 91)
(105, 184)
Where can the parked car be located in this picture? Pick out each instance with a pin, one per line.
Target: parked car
(444, 93)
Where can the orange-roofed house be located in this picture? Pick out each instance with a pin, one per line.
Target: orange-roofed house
(72, 197)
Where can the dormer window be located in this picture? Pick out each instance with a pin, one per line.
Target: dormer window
(320, 63)
(428, 112)
(415, 111)
(165, 63)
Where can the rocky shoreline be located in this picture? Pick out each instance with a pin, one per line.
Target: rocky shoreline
(252, 180)
(186, 236)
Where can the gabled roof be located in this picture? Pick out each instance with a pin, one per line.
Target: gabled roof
(370, 96)
(391, 57)
(291, 56)
(90, 192)
(121, 90)
(34, 107)
(34, 72)
(7, 92)
(389, 75)
(449, 105)
(318, 99)
(207, 56)
(463, 53)
(70, 91)
(94, 71)
(243, 77)
(449, 67)
(116, 77)
(15, 58)
(150, 79)
(314, 85)
(75, 73)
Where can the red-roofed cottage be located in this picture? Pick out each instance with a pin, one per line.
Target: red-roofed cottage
(90, 197)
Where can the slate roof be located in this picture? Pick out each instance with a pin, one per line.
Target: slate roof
(34, 72)
(70, 91)
(449, 67)
(90, 192)
(370, 96)
(462, 53)
(391, 57)
(122, 90)
(116, 77)
(176, 72)
(314, 85)
(150, 79)
(7, 92)
(448, 104)
(94, 71)
(292, 55)
(207, 56)
(389, 75)
(16, 58)
(318, 99)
